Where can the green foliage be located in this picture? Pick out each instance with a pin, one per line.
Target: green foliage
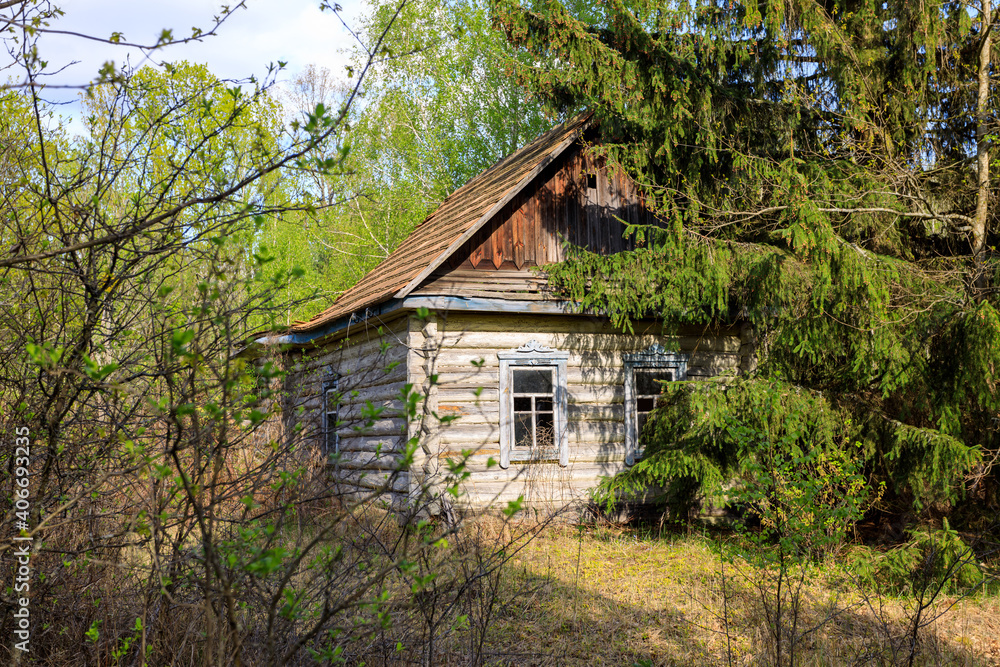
(935, 558)
(693, 452)
(182, 117)
(805, 499)
(443, 105)
(93, 633)
(439, 107)
(807, 164)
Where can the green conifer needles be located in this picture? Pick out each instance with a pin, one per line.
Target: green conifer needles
(814, 168)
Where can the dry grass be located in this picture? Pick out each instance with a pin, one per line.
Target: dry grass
(603, 596)
(568, 595)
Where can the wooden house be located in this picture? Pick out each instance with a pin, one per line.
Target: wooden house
(547, 399)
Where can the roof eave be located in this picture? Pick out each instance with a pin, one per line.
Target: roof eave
(314, 336)
(434, 303)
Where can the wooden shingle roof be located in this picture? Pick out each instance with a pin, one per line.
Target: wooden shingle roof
(447, 228)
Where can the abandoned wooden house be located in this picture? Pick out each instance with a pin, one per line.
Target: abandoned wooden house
(554, 397)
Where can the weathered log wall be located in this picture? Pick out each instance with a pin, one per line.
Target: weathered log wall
(460, 349)
(372, 364)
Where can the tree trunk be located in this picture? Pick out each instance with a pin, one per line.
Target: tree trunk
(982, 150)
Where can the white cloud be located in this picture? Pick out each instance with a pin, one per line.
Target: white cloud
(294, 31)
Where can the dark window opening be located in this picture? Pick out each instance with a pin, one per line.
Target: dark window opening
(648, 387)
(331, 416)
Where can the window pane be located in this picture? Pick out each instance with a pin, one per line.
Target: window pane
(522, 431)
(642, 418)
(545, 435)
(533, 381)
(644, 404)
(646, 380)
(522, 404)
(543, 404)
(331, 400)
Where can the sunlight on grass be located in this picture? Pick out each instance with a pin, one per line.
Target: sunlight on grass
(608, 596)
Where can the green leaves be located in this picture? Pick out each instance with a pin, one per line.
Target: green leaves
(806, 498)
(44, 356)
(267, 561)
(808, 201)
(513, 506)
(180, 340)
(699, 441)
(93, 633)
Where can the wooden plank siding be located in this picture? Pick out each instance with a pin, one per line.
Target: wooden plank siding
(499, 260)
(461, 350)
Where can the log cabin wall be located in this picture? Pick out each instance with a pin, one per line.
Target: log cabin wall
(576, 199)
(372, 367)
(462, 350)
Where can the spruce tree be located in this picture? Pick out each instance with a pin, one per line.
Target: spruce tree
(822, 170)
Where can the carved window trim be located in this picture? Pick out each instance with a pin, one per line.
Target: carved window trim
(656, 357)
(533, 354)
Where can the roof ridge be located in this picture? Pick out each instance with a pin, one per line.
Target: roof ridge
(502, 162)
(441, 233)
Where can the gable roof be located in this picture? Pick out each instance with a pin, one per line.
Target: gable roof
(452, 224)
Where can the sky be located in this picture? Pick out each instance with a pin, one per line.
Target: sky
(295, 31)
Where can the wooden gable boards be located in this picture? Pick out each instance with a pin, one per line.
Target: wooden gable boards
(510, 218)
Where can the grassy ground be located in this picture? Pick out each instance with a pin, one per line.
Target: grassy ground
(607, 596)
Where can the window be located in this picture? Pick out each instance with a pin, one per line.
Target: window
(644, 374)
(261, 373)
(331, 414)
(533, 405)
(534, 397)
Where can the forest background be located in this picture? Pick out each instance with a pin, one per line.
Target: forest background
(824, 174)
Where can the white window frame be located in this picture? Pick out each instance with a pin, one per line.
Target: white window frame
(657, 357)
(331, 383)
(534, 355)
